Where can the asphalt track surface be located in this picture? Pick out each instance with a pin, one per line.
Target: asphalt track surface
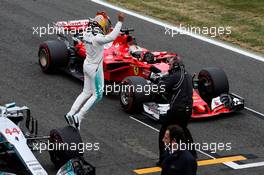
(125, 144)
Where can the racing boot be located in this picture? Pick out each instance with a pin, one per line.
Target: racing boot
(73, 120)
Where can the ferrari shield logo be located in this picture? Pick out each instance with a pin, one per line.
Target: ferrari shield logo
(136, 70)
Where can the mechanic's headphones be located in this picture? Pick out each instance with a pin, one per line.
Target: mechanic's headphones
(177, 63)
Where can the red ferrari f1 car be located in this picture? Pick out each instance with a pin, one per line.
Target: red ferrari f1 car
(211, 95)
(126, 63)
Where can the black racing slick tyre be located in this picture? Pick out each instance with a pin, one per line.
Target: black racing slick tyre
(52, 55)
(64, 145)
(212, 82)
(132, 94)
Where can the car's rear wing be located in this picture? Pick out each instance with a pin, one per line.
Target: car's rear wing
(77, 25)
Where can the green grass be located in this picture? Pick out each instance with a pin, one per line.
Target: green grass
(246, 17)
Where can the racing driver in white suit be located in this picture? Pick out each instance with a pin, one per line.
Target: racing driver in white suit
(94, 39)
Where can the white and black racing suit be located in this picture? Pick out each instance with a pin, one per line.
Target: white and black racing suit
(93, 71)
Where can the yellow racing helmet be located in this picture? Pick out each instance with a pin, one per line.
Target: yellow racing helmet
(103, 21)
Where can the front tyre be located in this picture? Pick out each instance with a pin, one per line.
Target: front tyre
(131, 99)
(212, 82)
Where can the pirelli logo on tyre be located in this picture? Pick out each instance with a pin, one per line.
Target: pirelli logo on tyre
(136, 70)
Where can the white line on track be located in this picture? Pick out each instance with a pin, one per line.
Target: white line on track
(254, 111)
(144, 124)
(249, 109)
(244, 166)
(167, 25)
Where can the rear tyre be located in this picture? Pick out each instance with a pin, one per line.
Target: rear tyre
(212, 82)
(52, 55)
(68, 135)
(131, 97)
